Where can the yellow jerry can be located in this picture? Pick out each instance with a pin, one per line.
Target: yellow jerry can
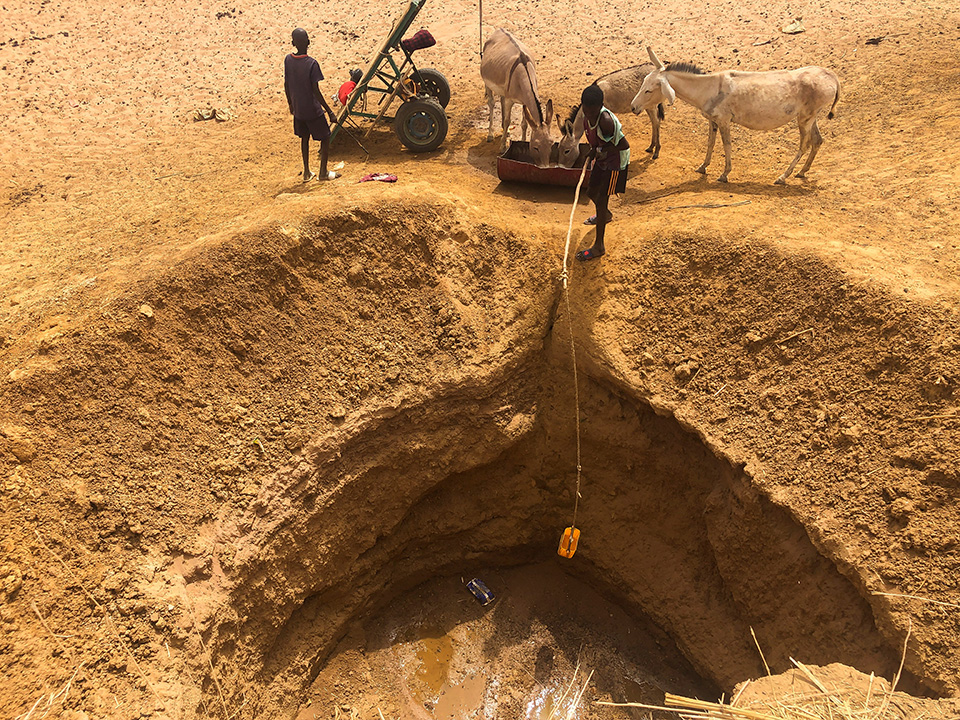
(568, 542)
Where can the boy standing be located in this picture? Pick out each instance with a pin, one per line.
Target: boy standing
(610, 153)
(301, 83)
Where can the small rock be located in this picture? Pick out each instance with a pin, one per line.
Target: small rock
(851, 433)
(683, 372)
(337, 413)
(116, 582)
(11, 582)
(22, 449)
(647, 359)
(795, 27)
(355, 274)
(902, 508)
(146, 311)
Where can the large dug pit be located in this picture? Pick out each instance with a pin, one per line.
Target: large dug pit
(673, 535)
(358, 412)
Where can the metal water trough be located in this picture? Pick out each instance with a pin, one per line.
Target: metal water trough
(515, 166)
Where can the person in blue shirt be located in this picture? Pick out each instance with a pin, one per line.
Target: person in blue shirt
(610, 153)
(301, 83)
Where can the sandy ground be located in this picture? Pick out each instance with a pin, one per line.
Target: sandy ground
(108, 175)
(107, 180)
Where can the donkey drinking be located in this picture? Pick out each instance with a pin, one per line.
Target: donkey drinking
(508, 70)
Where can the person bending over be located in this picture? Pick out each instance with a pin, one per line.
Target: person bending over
(301, 83)
(610, 153)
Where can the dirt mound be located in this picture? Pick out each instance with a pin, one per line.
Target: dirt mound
(836, 690)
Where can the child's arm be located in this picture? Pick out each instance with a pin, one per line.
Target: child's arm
(606, 125)
(319, 96)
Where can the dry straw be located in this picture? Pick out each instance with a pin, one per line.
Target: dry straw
(846, 703)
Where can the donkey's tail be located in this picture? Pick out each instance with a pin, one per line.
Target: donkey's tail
(660, 111)
(835, 100)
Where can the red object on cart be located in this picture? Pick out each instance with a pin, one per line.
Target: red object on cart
(418, 41)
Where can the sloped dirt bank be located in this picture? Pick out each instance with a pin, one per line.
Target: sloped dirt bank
(245, 457)
(836, 399)
(127, 444)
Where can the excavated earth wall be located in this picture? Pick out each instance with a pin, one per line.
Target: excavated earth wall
(232, 462)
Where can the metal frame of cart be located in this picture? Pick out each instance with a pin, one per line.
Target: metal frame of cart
(420, 121)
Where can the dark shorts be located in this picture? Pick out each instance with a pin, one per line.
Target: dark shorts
(317, 128)
(607, 182)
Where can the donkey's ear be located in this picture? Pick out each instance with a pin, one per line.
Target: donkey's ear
(549, 116)
(667, 91)
(560, 126)
(568, 127)
(528, 117)
(654, 59)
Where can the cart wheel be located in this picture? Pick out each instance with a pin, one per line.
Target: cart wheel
(421, 124)
(435, 85)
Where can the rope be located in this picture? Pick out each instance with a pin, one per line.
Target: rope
(573, 347)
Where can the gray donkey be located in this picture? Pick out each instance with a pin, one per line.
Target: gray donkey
(619, 89)
(508, 70)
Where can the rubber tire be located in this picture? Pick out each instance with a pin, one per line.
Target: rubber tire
(435, 85)
(421, 124)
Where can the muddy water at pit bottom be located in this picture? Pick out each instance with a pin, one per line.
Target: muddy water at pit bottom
(437, 654)
(434, 651)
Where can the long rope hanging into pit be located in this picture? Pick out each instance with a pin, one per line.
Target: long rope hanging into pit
(570, 537)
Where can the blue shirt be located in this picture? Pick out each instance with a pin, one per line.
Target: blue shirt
(301, 73)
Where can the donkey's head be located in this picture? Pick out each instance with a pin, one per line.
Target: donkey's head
(655, 89)
(540, 141)
(571, 130)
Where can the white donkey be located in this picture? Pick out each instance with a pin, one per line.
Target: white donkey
(507, 70)
(619, 89)
(756, 100)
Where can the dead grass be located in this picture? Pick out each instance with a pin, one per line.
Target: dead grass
(847, 702)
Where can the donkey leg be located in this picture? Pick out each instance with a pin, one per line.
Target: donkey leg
(711, 141)
(804, 141)
(490, 107)
(506, 107)
(654, 133)
(725, 135)
(814, 140)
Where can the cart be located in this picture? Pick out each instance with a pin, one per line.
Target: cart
(420, 121)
